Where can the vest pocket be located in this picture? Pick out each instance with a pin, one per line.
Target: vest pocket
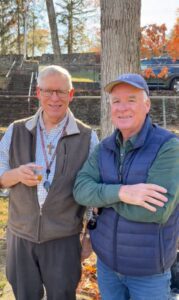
(64, 165)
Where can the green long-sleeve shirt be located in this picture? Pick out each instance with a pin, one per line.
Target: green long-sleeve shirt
(89, 190)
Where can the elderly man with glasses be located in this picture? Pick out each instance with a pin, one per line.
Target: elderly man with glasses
(39, 159)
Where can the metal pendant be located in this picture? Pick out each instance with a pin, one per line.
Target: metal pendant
(46, 185)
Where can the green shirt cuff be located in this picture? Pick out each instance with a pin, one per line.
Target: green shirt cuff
(111, 194)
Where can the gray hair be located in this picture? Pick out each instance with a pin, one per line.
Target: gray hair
(54, 69)
(145, 97)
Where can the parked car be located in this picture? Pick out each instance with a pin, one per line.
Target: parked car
(168, 80)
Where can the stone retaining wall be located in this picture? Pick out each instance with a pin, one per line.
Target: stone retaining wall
(74, 58)
(13, 109)
(88, 110)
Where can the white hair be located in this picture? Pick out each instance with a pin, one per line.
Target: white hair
(145, 97)
(54, 69)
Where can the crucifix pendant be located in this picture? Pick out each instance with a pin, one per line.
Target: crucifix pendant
(50, 147)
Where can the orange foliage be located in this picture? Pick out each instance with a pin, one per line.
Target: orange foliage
(173, 44)
(163, 73)
(88, 285)
(96, 43)
(95, 49)
(148, 73)
(153, 40)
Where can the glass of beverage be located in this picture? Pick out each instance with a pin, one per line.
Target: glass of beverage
(38, 172)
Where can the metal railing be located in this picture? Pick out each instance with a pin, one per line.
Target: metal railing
(10, 70)
(164, 105)
(30, 89)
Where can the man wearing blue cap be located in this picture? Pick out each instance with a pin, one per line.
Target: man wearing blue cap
(133, 174)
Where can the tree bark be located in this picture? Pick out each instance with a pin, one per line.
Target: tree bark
(54, 30)
(70, 27)
(18, 29)
(120, 37)
(70, 31)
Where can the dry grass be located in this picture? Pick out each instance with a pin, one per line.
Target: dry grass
(3, 216)
(3, 129)
(75, 79)
(3, 222)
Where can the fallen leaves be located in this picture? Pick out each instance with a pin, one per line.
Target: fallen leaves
(88, 286)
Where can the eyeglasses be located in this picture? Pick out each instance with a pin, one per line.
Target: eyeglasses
(49, 93)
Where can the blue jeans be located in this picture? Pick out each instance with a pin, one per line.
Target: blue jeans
(114, 286)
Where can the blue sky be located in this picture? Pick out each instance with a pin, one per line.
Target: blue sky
(159, 12)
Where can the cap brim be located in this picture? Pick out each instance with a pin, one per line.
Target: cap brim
(108, 88)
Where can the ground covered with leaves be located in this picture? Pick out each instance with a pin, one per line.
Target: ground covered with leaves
(88, 285)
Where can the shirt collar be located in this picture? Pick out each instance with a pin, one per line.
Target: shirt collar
(72, 127)
(57, 126)
(129, 143)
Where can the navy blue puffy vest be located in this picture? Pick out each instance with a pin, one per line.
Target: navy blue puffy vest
(134, 248)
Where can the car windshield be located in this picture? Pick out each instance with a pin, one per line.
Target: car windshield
(157, 61)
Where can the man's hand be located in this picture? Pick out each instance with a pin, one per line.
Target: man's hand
(143, 194)
(26, 174)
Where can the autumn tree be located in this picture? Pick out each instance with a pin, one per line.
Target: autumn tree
(19, 31)
(38, 40)
(94, 31)
(29, 38)
(153, 40)
(21, 23)
(173, 43)
(96, 42)
(120, 35)
(7, 21)
(53, 29)
(71, 17)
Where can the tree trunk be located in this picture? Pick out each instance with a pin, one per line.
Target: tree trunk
(70, 30)
(18, 29)
(120, 36)
(2, 38)
(53, 29)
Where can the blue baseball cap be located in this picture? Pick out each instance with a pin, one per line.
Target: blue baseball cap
(133, 79)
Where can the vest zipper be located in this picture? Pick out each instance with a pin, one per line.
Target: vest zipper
(39, 226)
(120, 173)
(115, 242)
(162, 260)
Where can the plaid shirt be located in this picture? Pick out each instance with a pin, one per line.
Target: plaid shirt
(53, 135)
